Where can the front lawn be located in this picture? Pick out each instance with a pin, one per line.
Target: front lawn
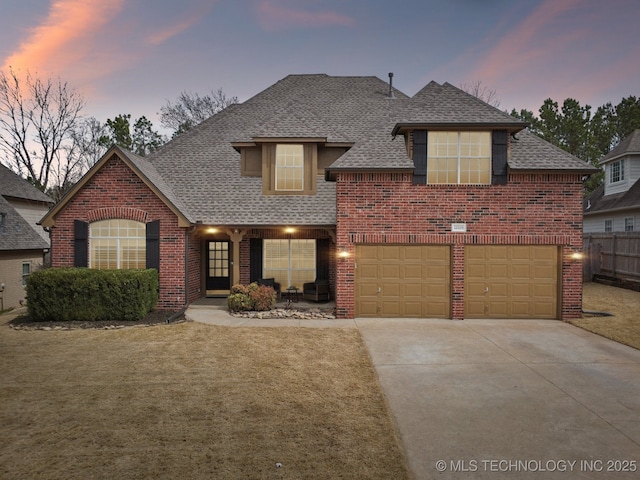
(624, 325)
(192, 401)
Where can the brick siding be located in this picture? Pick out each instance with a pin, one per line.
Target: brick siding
(531, 209)
(116, 192)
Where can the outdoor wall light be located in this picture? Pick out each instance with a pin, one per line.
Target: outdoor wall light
(212, 230)
(289, 230)
(343, 254)
(577, 256)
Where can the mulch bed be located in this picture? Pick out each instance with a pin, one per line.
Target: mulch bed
(157, 317)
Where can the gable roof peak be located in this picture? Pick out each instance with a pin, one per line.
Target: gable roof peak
(629, 145)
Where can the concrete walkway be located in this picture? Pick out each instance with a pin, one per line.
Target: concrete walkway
(488, 399)
(219, 316)
(509, 398)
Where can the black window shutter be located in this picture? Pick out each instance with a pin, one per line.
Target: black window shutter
(80, 242)
(499, 157)
(322, 258)
(153, 245)
(255, 259)
(420, 157)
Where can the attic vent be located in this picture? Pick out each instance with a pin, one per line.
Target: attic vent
(391, 95)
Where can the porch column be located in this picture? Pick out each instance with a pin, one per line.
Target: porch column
(236, 237)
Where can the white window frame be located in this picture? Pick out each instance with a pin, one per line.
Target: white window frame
(608, 225)
(27, 273)
(439, 152)
(289, 166)
(114, 236)
(616, 171)
(629, 224)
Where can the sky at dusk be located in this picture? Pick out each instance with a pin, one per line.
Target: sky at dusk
(131, 56)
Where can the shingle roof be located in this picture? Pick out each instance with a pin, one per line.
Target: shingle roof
(12, 185)
(15, 231)
(597, 202)
(203, 169)
(629, 145)
(445, 104)
(199, 171)
(530, 152)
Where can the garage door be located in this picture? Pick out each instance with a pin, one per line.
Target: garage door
(403, 281)
(511, 281)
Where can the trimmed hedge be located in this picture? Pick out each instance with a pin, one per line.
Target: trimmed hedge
(84, 294)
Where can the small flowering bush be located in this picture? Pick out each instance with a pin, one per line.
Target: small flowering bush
(251, 297)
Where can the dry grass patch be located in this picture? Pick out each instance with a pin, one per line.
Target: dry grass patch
(624, 325)
(193, 401)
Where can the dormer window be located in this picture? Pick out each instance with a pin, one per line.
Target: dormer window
(616, 171)
(459, 158)
(289, 168)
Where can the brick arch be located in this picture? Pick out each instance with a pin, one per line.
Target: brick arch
(126, 213)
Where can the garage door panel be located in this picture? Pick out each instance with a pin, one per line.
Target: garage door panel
(437, 273)
(511, 281)
(390, 272)
(496, 308)
(392, 252)
(412, 271)
(521, 271)
(413, 289)
(367, 252)
(414, 280)
(522, 290)
(497, 270)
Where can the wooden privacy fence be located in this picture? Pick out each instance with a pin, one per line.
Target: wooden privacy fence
(615, 256)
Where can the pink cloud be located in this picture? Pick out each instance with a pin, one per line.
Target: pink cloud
(276, 17)
(531, 42)
(193, 17)
(65, 36)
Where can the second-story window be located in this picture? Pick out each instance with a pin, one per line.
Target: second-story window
(616, 172)
(459, 158)
(289, 167)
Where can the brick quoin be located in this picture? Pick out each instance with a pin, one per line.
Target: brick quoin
(116, 192)
(531, 209)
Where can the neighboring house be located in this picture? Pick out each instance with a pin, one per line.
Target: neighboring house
(436, 205)
(23, 243)
(615, 205)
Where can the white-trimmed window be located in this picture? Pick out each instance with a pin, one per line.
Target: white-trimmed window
(289, 167)
(628, 224)
(117, 243)
(291, 262)
(608, 225)
(459, 158)
(616, 171)
(26, 271)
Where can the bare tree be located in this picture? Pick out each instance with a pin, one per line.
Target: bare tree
(38, 120)
(190, 109)
(482, 92)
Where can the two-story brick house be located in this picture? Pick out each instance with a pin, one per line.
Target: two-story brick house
(437, 205)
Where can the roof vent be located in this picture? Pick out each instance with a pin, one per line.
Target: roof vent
(391, 95)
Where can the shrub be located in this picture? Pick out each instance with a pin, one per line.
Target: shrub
(263, 298)
(251, 297)
(239, 302)
(83, 294)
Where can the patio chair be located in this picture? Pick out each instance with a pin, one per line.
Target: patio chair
(317, 290)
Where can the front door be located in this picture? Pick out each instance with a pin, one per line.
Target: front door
(218, 260)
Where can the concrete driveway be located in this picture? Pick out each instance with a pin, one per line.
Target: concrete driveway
(509, 398)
